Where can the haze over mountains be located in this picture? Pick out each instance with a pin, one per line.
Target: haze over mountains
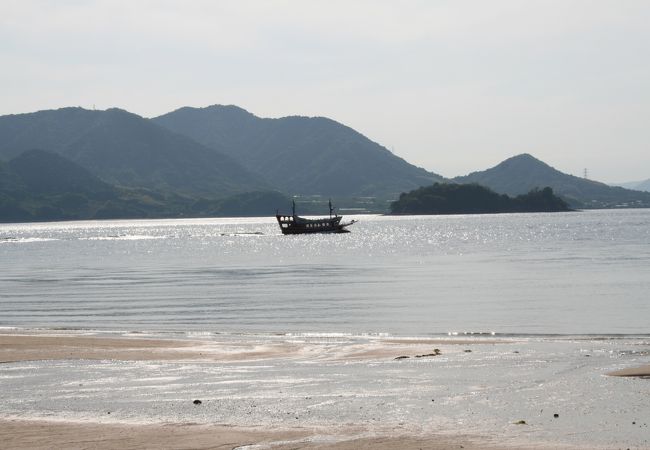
(519, 174)
(300, 155)
(73, 163)
(125, 149)
(44, 185)
(636, 185)
(41, 185)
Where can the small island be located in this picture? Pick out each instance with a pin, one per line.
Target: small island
(450, 198)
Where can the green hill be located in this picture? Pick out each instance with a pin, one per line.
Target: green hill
(44, 172)
(222, 160)
(127, 150)
(520, 174)
(451, 198)
(46, 186)
(9, 181)
(38, 185)
(300, 155)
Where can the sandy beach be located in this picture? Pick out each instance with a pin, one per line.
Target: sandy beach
(24, 347)
(100, 430)
(47, 435)
(42, 434)
(641, 371)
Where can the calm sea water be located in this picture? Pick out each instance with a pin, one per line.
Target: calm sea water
(569, 273)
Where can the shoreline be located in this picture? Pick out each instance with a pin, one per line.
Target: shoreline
(26, 346)
(44, 434)
(106, 390)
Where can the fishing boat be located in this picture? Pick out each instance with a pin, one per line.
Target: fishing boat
(294, 224)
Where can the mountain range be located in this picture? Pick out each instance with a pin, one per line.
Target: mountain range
(127, 150)
(636, 185)
(300, 155)
(41, 185)
(521, 173)
(74, 163)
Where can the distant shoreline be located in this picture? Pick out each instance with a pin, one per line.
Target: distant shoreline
(453, 198)
(478, 213)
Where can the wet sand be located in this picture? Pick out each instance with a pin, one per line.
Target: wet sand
(47, 435)
(641, 371)
(22, 347)
(15, 347)
(42, 434)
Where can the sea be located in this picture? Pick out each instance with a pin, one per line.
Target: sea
(542, 307)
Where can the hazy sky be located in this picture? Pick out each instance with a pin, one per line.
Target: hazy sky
(452, 86)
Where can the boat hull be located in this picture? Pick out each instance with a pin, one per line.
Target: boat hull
(300, 231)
(300, 225)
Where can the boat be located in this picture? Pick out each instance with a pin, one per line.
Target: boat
(294, 224)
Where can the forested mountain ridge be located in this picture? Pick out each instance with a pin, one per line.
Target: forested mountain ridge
(125, 149)
(521, 173)
(39, 185)
(44, 172)
(73, 163)
(300, 155)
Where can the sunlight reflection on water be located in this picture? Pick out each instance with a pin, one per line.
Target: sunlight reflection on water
(585, 272)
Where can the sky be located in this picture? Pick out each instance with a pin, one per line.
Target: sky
(452, 86)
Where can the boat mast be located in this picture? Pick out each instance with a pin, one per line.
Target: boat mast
(293, 207)
(330, 208)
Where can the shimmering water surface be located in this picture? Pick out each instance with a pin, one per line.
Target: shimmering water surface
(550, 304)
(569, 273)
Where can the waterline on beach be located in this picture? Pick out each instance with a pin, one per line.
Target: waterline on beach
(474, 386)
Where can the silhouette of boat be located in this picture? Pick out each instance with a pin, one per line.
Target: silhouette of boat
(294, 224)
